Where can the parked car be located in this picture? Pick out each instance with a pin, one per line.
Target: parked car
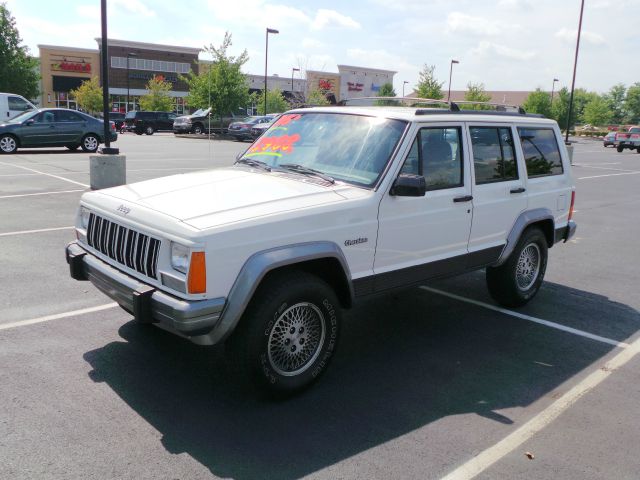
(241, 130)
(141, 122)
(118, 119)
(629, 139)
(260, 128)
(609, 139)
(54, 127)
(197, 123)
(331, 205)
(12, 105)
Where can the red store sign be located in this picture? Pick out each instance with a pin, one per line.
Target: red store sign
(65, 66)
(355, 87)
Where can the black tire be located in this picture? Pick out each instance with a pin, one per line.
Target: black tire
(517, 281)
(292, 311)
(148, 130)
(197, 129)
(620, 149)
(638, 150)
(8, 144)
(90, 142)
(72, 147)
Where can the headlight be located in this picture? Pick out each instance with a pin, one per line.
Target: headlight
(179, 257)
(84, 217)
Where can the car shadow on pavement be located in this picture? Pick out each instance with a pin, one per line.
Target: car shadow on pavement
(41, 151)
(405, 360)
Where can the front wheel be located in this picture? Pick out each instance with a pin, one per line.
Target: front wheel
(517, 281)
(620, 149)
(90, 143)
(288, 334)
(148, 131)
(197, 129)
(8, 144)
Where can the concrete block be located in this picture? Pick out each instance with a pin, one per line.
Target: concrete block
(107, 171)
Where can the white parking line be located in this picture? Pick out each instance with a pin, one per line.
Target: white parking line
(48, 193)
(44, 173)
(607, 168)
(609, 175)
(546, 323)
(10, 234)
(57, 316)
(485, 459)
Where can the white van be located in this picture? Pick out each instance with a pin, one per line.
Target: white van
(12, 105)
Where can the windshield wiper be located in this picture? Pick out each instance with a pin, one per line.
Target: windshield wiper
(306, 171)
(254, 163)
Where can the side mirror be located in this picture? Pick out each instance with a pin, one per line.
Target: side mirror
(29, 122)
(409, 185)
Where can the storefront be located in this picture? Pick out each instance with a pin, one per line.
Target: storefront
(62, 70)
(358, 82)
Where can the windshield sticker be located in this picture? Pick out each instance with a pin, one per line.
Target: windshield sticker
(273, 146)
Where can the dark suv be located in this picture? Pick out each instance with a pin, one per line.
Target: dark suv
(149, 122)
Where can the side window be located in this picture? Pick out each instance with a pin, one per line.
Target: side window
(64, 116)
(494, 158)
(18, 104)
(436, 154)
(45, 117)
(541, 152)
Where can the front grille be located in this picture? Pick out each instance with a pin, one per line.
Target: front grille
(127, 247)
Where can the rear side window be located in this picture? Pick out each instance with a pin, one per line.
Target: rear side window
(494, 158)
(436, 154)
(541, 152)
(66, 116)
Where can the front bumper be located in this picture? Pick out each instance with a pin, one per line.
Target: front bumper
(192, 319)
(186, 128)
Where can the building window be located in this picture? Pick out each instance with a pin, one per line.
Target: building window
(150, 65)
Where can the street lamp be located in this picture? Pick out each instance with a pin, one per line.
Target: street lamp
(553, 88)
(450, 72)
(266, 56)
(575, 65)
(293, 70)
(403, 84)
(129, 55)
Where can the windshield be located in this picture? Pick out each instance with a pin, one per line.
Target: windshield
(23, 116)
(349, 148)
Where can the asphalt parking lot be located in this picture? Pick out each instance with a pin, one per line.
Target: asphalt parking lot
(433, 382)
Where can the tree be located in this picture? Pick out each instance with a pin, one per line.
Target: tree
(17, 68)
(223, 86)
(560, 108)
(598, 112)
(580, 100)
(476, 93)
(615, 99)
(316, 97)
(89, 95)
(538, 102)
(158, 98)
(276, 102)
(428, 86)
(632, 103)
(386, 90)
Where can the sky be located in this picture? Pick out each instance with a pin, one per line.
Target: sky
(504, 44)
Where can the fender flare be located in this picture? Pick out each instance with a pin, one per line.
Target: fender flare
(257, 267)
(525, 219)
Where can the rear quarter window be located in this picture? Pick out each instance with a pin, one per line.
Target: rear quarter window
(541, 151)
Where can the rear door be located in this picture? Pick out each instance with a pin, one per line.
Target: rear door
(69, 126)
(423, 237)
(499, 189)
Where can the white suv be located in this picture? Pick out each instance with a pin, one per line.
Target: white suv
(330, 205)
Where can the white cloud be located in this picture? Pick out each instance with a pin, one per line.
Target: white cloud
(379, 59)
(515, 3)
(132, 6)
(463, 23)
(326, 18)
(492, 49)
(589, 37)
(312, 43)
(91, 12)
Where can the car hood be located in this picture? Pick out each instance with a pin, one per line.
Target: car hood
(222, 196)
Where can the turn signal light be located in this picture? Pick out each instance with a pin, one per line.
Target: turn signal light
(197, 280)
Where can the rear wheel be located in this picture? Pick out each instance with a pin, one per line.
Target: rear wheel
(517, 281)
(90, 142)
(148, 130)
(288, 334)
(8, 144)
(620, 149)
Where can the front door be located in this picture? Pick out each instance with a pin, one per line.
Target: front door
(423, 237)
(42, 132)
(499, 190)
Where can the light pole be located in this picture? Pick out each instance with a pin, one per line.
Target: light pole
(553, 89)
(266, 56)
(450, 72)
(293, 70)
(403, 84)
(575, 65)
(129, 55)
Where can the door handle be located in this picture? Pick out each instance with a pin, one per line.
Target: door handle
(518, 190)
(466, 198)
